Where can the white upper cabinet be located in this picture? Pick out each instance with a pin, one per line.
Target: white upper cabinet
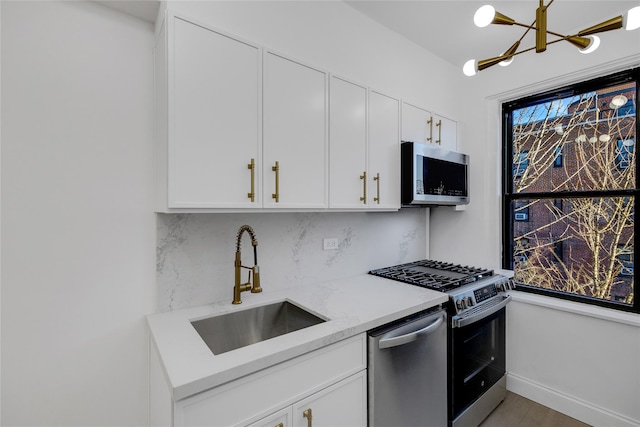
(364, 147)
(384, 151)
(415, 124)
(424, 127)
(445, 132)
(211, 88)
(240, 127)
(295, 134)
(348, 144)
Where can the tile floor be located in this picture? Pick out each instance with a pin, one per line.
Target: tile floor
(518, 411)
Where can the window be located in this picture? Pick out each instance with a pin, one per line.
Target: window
(623, 153)
(570, 191)
(520, 164)
(625, 258)
(521, 212)
(557, 163)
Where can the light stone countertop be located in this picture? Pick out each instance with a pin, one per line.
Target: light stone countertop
(352, 306)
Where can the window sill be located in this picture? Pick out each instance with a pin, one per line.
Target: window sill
(577, 308)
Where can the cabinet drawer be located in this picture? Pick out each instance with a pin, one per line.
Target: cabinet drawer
(273, 388)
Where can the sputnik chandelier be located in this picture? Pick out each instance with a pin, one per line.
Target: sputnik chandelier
(584, 40)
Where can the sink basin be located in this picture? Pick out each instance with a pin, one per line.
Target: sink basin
(235, 330)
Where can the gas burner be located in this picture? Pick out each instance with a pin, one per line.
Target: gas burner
(437, 275)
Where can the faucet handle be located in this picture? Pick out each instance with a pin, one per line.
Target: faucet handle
(256, 289)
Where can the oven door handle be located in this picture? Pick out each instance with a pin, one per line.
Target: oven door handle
(395, 341)
(464, 321)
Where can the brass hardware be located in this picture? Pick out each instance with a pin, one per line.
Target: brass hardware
(430, 123)
(309, 416)
(252, 166)
(541, 28)
(608, 25)
(276, 169)
(238, 288)
(280, 425)
(439, 126)
(363, 177)
(377, 180)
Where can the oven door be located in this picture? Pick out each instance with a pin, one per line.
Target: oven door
(476, 368)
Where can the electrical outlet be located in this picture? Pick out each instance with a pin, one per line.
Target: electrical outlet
(330, 243)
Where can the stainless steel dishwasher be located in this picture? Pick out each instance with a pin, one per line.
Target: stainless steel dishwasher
(407, 372)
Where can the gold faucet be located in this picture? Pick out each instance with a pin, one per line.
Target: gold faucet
(242, 287)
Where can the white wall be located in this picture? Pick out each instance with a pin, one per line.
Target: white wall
(78, 232)
(551, 352)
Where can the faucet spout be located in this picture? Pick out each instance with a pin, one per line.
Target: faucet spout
(248, 286)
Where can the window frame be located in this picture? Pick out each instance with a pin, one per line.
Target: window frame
(508, 176)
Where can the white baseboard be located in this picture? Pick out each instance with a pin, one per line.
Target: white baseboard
(569, 405)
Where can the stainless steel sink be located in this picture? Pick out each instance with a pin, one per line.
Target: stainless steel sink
(235, 330)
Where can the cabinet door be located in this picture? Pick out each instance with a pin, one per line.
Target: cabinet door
(348, 144)
(416, 125)
(384, 151)
(214, 118)
(445, 132)
(295, 134)
(342, 404)
(281, 418)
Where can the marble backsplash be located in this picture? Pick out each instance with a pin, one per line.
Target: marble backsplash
(195, 252)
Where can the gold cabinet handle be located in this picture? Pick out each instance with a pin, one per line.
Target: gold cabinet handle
(252, 166)
(276, 169)
(439, 126)
(363, 177)
(377, 180)
(309, 416)
(430, 123)
(280, 425)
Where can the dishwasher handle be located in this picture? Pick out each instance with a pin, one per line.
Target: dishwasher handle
(388, 340)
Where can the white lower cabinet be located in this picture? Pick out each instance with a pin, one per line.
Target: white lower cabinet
(342, 404)
(330, 384)
(282, 418)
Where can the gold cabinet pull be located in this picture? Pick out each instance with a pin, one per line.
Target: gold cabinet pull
(309, 416)
(363, 177)
(439, 126)
(252, 166)
(377, 180)
(430, 123)
(280, 425)
(276, 169)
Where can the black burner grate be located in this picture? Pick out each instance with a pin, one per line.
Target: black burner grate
(437, 275)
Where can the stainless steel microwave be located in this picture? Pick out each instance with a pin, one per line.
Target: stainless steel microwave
(433, 176)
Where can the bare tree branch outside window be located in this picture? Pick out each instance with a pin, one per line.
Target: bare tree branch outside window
(572, 194)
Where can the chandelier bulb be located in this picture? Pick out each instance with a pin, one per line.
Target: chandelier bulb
(631, 19)
(470, 68)
(595, 42)
(484, 16)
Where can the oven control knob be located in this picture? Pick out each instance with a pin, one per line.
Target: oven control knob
(461, 304)
(503, 286)
(469, 302)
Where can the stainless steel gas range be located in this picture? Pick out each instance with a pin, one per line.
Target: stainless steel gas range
(475, 332)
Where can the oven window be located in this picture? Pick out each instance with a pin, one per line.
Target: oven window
(478, 359)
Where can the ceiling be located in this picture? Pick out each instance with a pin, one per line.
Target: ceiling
(445, 27)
